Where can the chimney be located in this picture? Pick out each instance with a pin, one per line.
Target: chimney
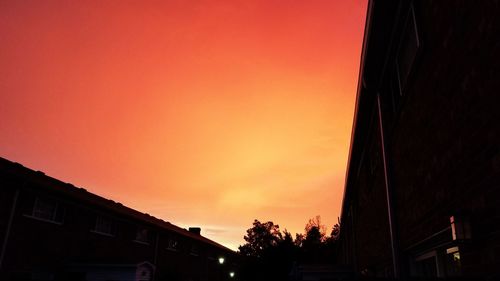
(195, 230)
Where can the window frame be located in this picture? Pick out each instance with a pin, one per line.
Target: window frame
(58, 213)
(176, 247)
(147, 240)
(194, 250)
(112, 226)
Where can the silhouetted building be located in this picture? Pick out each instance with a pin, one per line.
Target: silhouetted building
(51, 230)
(422, 191)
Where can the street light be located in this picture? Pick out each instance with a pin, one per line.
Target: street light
(231, 274)
(221, 262)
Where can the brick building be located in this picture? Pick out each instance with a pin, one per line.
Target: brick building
(422, 192)
(51, 230)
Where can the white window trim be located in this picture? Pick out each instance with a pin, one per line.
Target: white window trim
(52, 220)
(44, 220)
(95, 230)
(102, 233)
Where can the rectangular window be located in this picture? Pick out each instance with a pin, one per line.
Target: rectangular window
(452, 262)
(426, 267)
(104, 226)
(48, 210)
(142, 235)
(410, 43)
(194, 250)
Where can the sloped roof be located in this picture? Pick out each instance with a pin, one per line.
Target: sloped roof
(380, 21)
(82, 195)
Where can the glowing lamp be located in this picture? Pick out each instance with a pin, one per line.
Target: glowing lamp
(231, 274)
(221, 260)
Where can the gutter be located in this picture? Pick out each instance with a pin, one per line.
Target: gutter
(358, 97)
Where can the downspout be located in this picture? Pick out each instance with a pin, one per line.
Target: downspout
(388, 193)
(9, 226)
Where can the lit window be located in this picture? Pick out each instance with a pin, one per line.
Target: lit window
(452, 262)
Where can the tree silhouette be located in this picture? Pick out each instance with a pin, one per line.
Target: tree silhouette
(299, 239)
(335, 232)
(316, 223)
(259, 238)
(269, 254)
(314, 238)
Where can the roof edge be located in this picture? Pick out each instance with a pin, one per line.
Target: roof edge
(366, 37)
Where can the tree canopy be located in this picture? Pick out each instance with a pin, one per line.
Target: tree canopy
(260, 237)
(269, 250)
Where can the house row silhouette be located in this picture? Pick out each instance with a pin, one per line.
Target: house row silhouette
(51, 230)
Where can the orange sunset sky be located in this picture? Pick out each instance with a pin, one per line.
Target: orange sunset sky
(203, 113)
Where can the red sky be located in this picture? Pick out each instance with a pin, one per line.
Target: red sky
(203, 113)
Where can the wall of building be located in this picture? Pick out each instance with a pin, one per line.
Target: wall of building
(445, 144)
(40, 248)
(438, 79)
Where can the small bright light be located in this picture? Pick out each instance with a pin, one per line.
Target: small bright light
(221, 260)
(231, 274)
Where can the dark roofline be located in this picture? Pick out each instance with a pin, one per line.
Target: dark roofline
(101, 202)
(366, 35)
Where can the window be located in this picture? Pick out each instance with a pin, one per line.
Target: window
(48, 210)
(452, 262)
(440, 262)
(142, 235)
(427, 265)
(173, 244)
(410, 43)
(104, 226)
(194, 250)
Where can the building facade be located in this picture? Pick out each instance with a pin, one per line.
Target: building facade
(51, 230)
(422, 191)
